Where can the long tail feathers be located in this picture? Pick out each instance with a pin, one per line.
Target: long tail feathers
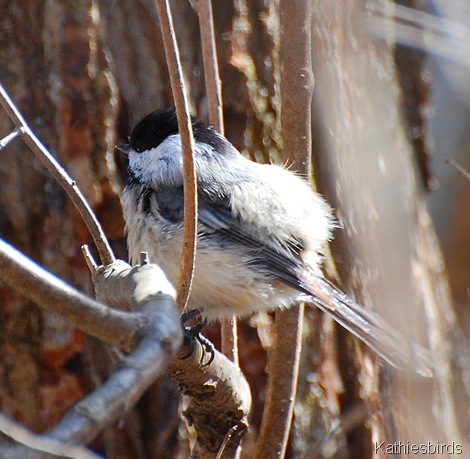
(370, 328)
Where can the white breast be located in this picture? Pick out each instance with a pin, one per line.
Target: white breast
(222, 285)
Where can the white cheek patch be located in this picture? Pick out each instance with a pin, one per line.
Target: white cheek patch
(162, 164)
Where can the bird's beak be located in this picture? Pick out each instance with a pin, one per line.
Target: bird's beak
(123, 147)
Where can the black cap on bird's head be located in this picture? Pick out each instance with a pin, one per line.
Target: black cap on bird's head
(153, 129)
(157, 126)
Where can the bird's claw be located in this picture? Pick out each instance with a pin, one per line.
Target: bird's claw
(193, 332)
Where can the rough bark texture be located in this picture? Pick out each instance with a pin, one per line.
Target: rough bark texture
(37, 40)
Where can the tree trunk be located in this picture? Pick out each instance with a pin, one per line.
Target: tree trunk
(390, 257)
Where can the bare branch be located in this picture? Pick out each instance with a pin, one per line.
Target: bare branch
(282, 385)
(60, 175)
(154, 323)
(54, 295)
(39, 443)
(220, 397)
(219, 402)
(211, 66)
(121, 286)
(184, 122)
(161, 339)
(214, 98)
(296, 97)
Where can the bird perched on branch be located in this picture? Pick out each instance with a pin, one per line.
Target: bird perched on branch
(261, 232)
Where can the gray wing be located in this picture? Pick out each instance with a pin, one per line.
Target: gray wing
(279, 263)
(369, 327)
(217, 224)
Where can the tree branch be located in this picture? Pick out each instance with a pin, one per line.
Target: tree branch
(54, 295)
(296, 96)
(211, 66)
(216, 119)
(153, 330)
(219, 396)
(187, 140)
(69, 185)
(219, 402)
(39, 443)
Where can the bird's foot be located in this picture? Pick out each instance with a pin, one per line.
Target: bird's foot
(193, 332)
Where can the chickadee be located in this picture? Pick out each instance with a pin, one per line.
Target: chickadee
(261, 232)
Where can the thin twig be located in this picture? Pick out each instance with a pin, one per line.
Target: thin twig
(190, 183)
(211, 66)
(227, 438)
(463, 172)
(90, 262)
(60, 175)
(229, 338)
(17, 132)
(214, 99)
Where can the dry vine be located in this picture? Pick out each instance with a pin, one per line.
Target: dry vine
(214, 98)
(296, 96)
(189, 171)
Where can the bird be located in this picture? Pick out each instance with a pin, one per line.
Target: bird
(261, 233)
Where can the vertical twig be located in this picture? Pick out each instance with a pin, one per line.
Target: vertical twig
(211, 66)
(69, 185)
(214, 99)
(296, 97)
(229, 336)
(184, 122)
